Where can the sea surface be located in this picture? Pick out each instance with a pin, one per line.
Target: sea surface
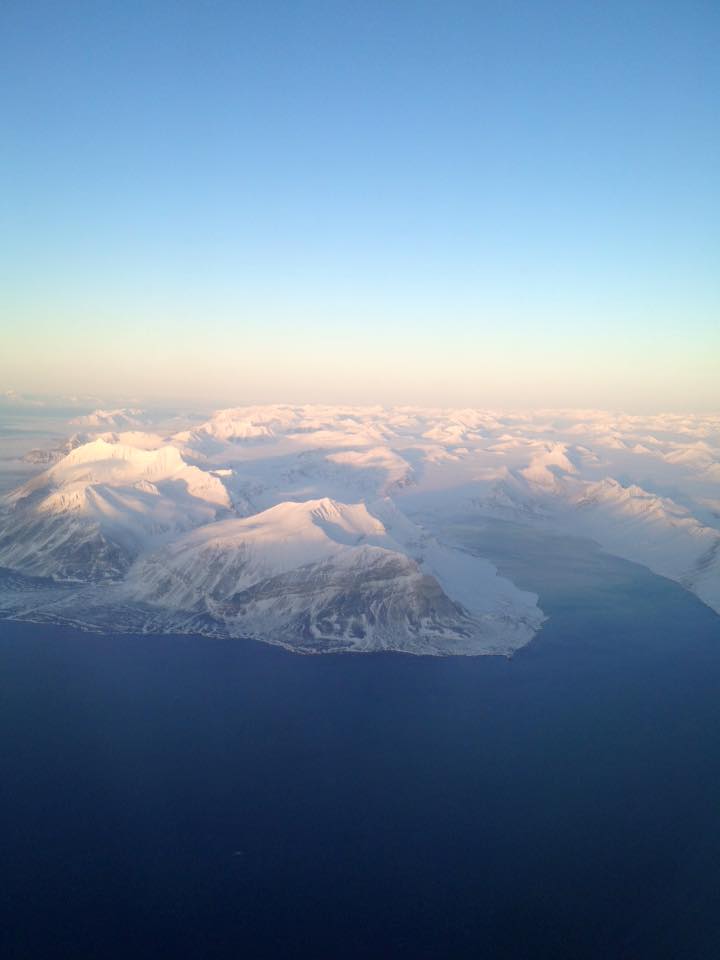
(183, 797)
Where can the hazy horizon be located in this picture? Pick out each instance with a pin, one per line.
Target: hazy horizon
(12, 401)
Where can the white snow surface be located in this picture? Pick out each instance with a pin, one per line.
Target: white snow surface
(120, 419)
(320, 555)
(92, 512)
(264, 498)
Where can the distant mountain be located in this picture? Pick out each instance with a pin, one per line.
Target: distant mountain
(121, 419)
(624, 519)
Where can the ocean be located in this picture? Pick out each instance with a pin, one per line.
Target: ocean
(182, 797)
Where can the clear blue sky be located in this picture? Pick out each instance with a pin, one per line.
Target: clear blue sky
(504, 203)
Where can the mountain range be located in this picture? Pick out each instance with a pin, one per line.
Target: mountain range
(322, 528)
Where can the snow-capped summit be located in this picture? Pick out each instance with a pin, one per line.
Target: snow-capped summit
(626, 520)
(121, 419)
(550, 463)
(326, 576)
(90, 513)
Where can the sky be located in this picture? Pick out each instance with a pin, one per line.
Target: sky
(478, 203)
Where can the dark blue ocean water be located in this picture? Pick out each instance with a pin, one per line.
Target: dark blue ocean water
(180, 797)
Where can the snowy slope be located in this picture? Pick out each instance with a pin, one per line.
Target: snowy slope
(88, 515)
(625, 520)
(322, 575)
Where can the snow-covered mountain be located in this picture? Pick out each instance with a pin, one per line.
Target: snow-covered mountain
(53, 454)
(626, 520)
(120, 419)
(325, 576)
(92, 512)
(322, 527)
